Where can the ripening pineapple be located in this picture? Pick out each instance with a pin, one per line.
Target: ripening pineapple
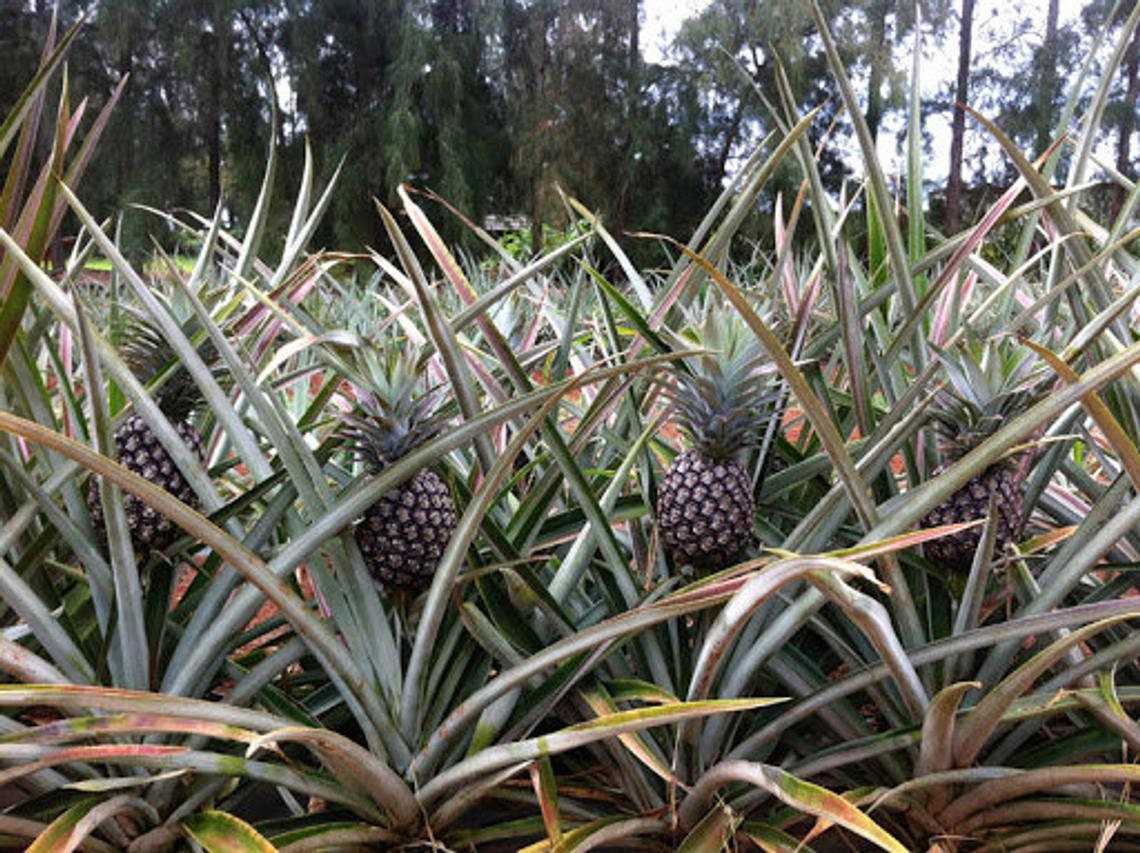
(403, 535)
(988, 384)
(148, 354)
(704, 504)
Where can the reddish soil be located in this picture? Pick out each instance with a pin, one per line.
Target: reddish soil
(188, 572)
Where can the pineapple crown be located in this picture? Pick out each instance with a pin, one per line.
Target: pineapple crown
(722, 397)
(394, 419)
(150, 354)
(987, 381)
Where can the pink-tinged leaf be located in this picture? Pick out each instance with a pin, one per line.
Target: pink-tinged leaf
(803, 796)
(77, 728)
(438, 248)
(488, 380)
(1058, 214)
(79, 163)
(781, 244)
(31, 228)
(77, 697)
(940, 325)
(950, 271)
(87, 754)
(530, 337)
(49, 63)
(802, 317)
(219, 832)
(296, 289)
(545, 785)
(299, 284)
(901, 542)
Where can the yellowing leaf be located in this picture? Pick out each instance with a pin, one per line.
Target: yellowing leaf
(219, 832)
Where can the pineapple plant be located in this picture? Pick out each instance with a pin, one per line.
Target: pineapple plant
(403, 535)
(988, 383)
(705, 506)
(148, 354)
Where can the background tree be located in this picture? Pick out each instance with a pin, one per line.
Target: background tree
(494, 103)
(958, 127)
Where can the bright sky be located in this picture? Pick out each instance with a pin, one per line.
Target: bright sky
(993, 25)
(663, 18)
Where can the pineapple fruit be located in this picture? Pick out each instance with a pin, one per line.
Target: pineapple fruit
(148, 354)
(988, 383)
(705, 506)
(403, 535)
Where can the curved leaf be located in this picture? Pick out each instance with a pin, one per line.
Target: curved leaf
(71, 828)
(220, 832)
(611, 725)
(351, 763)
(979, 724)
(804, 796)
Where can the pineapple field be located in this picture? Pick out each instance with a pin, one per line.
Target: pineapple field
(825, 540)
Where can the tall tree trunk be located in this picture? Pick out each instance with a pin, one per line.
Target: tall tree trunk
(1046, 81)
(539, 59)
(125, 155)
(730, 138)
(879, 56)
(958, 127)
(214, 119)
(633, 87)
(1131, 70)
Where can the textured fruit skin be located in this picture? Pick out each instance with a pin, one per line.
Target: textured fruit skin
(139, 451)
(955, 552)
(705, 510)
(403, 535)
